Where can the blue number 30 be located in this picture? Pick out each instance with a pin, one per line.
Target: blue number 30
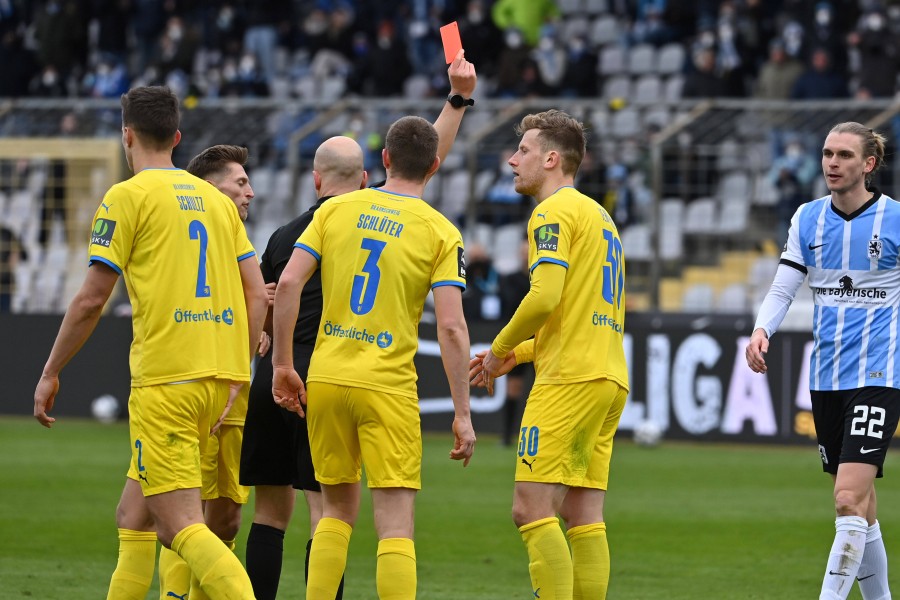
(613, 275)
(362, 296)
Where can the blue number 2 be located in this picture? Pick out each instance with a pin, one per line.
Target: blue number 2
(613, 275)
(140, 449)
(198, 232)
(362, 296)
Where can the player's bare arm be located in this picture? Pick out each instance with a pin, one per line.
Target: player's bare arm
(78, 324)
(462, 81)
(453, 338)
(288, 390)
(256, 299)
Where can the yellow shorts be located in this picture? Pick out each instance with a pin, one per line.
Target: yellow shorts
(220, 465)
(567, 433)
(349, 426)
(169, 427)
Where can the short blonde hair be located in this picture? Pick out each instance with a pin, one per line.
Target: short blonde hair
(558, 131)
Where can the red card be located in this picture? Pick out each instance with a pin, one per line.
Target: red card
(452, 43)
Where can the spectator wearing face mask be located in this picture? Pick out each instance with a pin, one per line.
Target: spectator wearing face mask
(878, 51)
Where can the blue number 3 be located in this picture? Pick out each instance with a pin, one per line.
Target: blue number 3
(613, 275)
(362, 296)
(198, 232)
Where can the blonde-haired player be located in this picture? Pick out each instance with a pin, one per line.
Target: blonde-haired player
(575, 311)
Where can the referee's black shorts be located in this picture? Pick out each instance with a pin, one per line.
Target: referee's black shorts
(275, 450)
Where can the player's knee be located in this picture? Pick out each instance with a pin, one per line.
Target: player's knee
(132, 517)
(226, 523)
(520, 515)
(849, 502)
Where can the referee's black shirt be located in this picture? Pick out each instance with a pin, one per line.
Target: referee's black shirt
(275, 258)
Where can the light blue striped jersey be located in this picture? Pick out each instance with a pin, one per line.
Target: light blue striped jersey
(854, 275)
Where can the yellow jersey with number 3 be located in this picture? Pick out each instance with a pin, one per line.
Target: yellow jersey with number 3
(177, 240)
(380, 254)
(582, 338)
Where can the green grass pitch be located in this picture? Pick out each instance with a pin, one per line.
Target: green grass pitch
(685, 520)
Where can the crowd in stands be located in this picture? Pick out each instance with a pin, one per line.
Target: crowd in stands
(258, 48)
(284, 49)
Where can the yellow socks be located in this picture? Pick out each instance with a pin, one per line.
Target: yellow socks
(217, 568)
(327, 558)
(550, 563)
(395, 575)
(590, 561)
(197, 592)
(134, 570)
(174, 575)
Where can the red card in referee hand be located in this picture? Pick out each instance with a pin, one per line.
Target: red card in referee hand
(451, 40)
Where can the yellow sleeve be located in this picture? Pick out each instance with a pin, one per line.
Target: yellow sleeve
(525, 351)
(547, 280)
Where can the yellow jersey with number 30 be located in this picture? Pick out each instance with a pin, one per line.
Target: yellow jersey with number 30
(380, 254)
(177, 240)
(582, 338)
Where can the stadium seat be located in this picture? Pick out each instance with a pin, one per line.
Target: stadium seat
(605, 30)
(506, 248)
(636, 242)
(618, 86)
(671, 291)
(734, 214)
(700, 216)
(733, 299)
(417, 87)
(658, 115)
(670, 59)
(332, 88)
(612, 60)
(642, 59)
(698, 298)
(570, 7)
(734, 186)
(261, 179)
(730, 155)
(596, 7)
(674, 84)
(647, 90)
(599, 122)
(671, 235)
(764, 192)
(626, 123)
(455, 194)
(574, 27)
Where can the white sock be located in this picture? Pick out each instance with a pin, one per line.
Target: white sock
(873, 570)
(846, 554)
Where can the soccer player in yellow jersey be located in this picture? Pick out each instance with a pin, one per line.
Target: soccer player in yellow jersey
(575, 311)
(380, 251)
(223, 166)
(197, 301)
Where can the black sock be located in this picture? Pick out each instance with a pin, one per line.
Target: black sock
(340, 590)
(265, 548)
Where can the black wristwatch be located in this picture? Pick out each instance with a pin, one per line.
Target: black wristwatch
(457, 101)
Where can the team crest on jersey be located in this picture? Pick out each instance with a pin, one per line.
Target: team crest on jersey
(103, 232)
(875, 246)
(461, 260)
(546, 237)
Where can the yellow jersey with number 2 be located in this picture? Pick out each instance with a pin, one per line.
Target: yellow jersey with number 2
(177, 240)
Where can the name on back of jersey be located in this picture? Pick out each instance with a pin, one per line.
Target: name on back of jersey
(380, 223)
